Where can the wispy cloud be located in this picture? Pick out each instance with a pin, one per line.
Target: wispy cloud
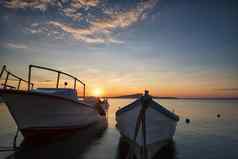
(43, 5)
(35, 4)
(15, 45)
(82, 3)
(99, 29)
(88, 35)
(73, 9)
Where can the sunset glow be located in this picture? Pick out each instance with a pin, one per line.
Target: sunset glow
(97, 92)
(169, 48)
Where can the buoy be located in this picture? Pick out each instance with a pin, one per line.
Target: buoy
(218, 115)
(187, 120)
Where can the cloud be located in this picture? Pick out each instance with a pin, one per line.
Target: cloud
(16, 45)
(85, 2)
(33, 4)
(73, 14)
(101, 30)
(88, 35)
(43, 5)
(125, 18)
(73, 9)
(99, 27)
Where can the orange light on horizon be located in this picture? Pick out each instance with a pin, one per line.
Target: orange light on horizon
(98, 92)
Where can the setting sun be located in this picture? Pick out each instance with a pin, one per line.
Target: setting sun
(97, 92)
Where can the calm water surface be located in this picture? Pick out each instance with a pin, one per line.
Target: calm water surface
(205, 137)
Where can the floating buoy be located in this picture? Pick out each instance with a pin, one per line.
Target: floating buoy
(187, 120)
(218, 115)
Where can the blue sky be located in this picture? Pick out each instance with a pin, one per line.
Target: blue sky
(177, 48)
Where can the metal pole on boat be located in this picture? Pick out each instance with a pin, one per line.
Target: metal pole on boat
(18, 86)
(75, 83)
(84, 90)
(3, 69)
(5, 83)
(29, 78)
(57, 83)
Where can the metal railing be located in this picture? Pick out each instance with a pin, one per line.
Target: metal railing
(58, 77)
(20, 80)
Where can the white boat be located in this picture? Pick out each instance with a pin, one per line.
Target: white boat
(47, 113)
(146, 124)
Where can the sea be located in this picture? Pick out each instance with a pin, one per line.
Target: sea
(206, 136)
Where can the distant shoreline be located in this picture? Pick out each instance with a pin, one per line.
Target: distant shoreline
(138, 95)
(156, 97)
(176, 98)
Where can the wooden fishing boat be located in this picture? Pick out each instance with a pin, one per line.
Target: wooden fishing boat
(45, 114)
(146, 125)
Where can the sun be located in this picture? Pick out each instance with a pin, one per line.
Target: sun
(97, 92)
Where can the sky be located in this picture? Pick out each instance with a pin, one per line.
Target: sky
(185, 48)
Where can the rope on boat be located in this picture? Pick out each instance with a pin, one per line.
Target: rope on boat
(15, 139)
(141, 121)
(14, 146)
(144, 149)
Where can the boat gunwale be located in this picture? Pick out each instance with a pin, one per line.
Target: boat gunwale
(3, 91)
(158, 108)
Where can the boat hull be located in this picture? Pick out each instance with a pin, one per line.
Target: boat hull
(165, 149)
(159, 127)
(152, 149)
(40, 136)
(42, 117)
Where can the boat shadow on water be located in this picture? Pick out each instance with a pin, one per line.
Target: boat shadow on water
(166, 152)
(73, 146)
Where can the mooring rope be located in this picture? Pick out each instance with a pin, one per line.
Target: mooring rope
(15, 139)
(144, 149)
(132, 147)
